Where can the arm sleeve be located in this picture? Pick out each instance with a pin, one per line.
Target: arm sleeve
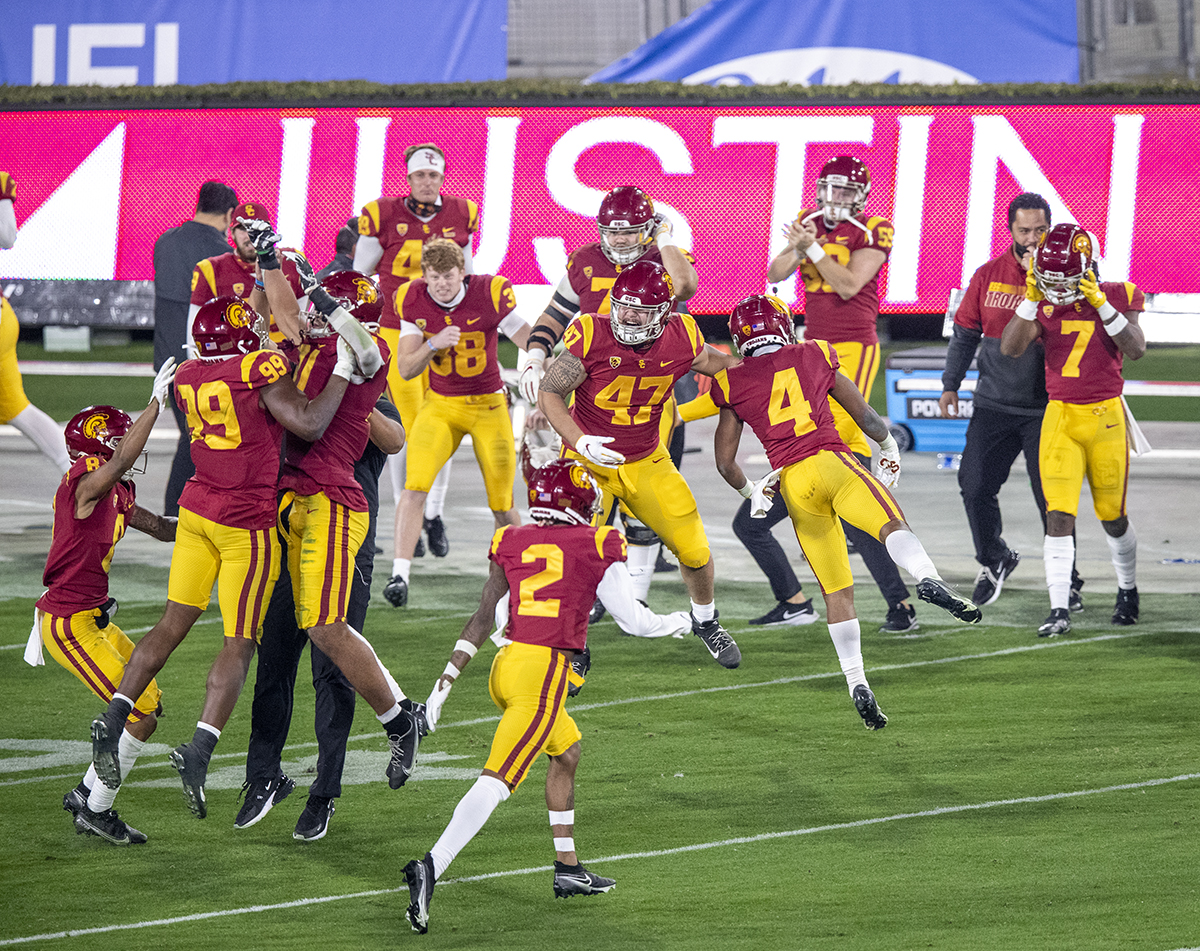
(468, 259)
(511, 323)
(367, 254)
(959, 354)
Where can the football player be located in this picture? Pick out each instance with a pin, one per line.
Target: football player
(15, 407)
(93, 506)
(544, 577)
(393, 232)
(840, 251)
(782, 391)
(238, 399)
(622, 370)
(449, 323)
(1087, 328)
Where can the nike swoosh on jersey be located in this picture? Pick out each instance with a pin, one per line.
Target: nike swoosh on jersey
(474, 320)
(665, 363)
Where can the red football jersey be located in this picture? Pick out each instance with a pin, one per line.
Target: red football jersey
(592, 276)
(552, 573)
(235, 442)
(402, 234)
(327, 465)
(81, 550)
(827, 316)
(471, 367)
(995, 292)
(626, 388)
(784, 398)
(221, 275)
(1083, 364)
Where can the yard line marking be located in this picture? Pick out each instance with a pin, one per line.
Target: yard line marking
(697, 847)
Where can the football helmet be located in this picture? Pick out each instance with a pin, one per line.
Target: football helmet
(95, 431)
(1062, 258)
(626, 210)
(227, 326)
(645, 289)
(564, 491)
(760, 320)
(842, 172)
(358, 293)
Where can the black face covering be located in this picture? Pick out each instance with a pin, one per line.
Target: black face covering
(1020, 250)
(421, 209)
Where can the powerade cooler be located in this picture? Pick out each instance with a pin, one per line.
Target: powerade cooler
(913, 381)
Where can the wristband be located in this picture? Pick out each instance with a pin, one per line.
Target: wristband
(451, 671)
(259, 284)
(889, 444)
(664, 240)
(1027, 309)
(746, 491)
(814, 252)
(1117, 324)
(429, 344)
(465, 646)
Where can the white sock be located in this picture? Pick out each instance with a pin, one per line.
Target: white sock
(847, 641)
(396, 467)
(1124, 557)
(44, 433)
(435, 501)
(641, 561)
(387, 674)
(470, 814)
(129, 748)
(1058, 553)
(390, 714)
(704, 612)
(90, 778)
(908, 552)
(401, 567)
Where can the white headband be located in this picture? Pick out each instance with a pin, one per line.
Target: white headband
(426, 158)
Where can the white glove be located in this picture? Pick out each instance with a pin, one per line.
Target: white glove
(593, 449)
(762, 493)
(162, 382)
(346, 366)
(433, 706)
(887, 469)
(663, 230)
(531, 375)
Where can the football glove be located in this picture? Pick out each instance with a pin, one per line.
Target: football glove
(264, 239)
(1032, 291)
(346, 366)
(304, 270)
(762, 494)
(887, 469)
(1090, 288)
(663, 231)
(162, 382)
(433, 706)
(594, 449)
(531, 375)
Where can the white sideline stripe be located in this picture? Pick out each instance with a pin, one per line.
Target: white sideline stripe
(698, 847)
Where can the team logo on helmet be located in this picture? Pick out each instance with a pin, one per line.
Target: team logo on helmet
(1083, 244)
(366, 289)
(95, 425)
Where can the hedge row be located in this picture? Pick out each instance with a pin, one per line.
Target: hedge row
(535, 92)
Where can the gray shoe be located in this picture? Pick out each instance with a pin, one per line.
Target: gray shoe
(941, 595)
(108, 826)
(193, 772)
(576, 880)
(718, 641)
(419, 875)
(404, 735)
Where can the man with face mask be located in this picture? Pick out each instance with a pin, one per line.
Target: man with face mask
(1010, 397)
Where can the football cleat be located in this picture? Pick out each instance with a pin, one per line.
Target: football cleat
(596, 613)
(868, 708)
(193, 771)
(75, 801)
(576, 880)
(106, 740)
(785, 613)
(396, 591)
(435, 531)
(108, 826)
(1125, 612)
(1076, 602)
(261, 797)
(580, 665)
(718, 641)
(991, 578)
(404, 735)
(419, 875)
(1059, 622)
(314, 820)
(941, 595)
(418, 711)
(901, 619)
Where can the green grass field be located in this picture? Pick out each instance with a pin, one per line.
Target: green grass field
(1026, 794)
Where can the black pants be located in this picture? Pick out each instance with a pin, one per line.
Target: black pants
(755, 534)
(182, 467)
(994, 440)
(278, 660)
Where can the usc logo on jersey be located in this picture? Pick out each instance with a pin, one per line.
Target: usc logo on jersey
(402, 230)
(614, 362)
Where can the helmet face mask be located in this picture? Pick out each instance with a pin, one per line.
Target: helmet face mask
(641, 302)
(96, 431)
(842, 188)
(759, 321)
(1062, 259)
(627, 214)
(564, 491)
(227, 326)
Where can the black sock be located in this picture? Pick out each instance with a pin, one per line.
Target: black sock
(400, 724)
(118, 709)
(204, 742)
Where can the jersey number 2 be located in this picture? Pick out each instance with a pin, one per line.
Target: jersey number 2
(553, 557)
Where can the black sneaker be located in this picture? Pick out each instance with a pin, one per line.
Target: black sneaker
(419, 875)
(722, 647)
(787, 613)
(941, 595)
(868, 708)
(193, 771)
(404, 735)
(314, 820)
(596, 613)
(1075, 604)
(1059, 622)
(395, 592)
(435, 531)
(260, 797)
(76, 800)
(901, 618)
(576, 880)
(108, 826)
(991, 578)
(1125, 613)
(661, 563)
(106, 740)
(580, 665)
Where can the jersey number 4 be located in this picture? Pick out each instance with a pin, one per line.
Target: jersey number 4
(788, 403)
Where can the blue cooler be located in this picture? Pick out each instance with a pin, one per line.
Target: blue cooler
(913, 383)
